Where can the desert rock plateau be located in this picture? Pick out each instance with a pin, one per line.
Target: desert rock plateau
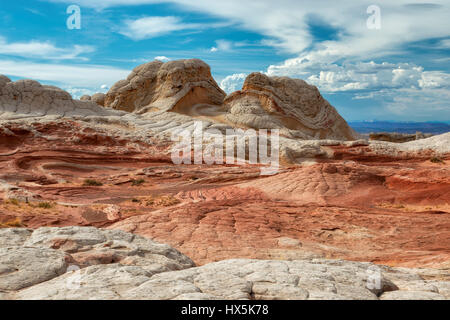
(91, 184)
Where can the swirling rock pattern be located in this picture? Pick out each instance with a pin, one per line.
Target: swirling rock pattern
(157, 86)
(288, 104)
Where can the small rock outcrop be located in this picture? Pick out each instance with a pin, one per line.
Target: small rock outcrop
(398, 137)
(29, 258)
(284, 103)
(99, 98)
(28, 98)
(158, 86)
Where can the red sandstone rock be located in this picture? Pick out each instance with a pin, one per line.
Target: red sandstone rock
(361, 206)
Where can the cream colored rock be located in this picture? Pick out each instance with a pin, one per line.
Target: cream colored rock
(4, 80)
(412, 295)
(106, 261)
(289, 104)
(171, 86)
(267, 280)
(22, 267)
(14, 237)
(439, 144)
(28, 98)
(101, 282)
(91, 246)
(77, 263)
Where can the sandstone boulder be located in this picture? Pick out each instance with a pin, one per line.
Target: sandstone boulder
(99, 98)
(167, 86)
(289, 104)
(4, 80)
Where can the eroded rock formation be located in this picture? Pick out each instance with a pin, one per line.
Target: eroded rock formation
(288, 104)
(31, 99)
(170, 86)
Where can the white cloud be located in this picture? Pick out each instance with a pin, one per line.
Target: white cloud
(403, 89)
(36, 12)
(222, 45)
(349, 76)
(42, 50)
(233, 83)
(69, 75)
(421, 105)
(162, 58)
(151, 27)
(444, 44)
(285, 22)
(77, 92)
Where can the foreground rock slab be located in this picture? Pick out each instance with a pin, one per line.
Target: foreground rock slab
(30, 258)
(79, 263)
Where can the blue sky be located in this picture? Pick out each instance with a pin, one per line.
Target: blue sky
(399, 72)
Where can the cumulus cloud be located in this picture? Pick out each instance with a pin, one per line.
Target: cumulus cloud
(350, 76)
(162, 58)
(43, 50)
(233, 82)
(78, 92)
